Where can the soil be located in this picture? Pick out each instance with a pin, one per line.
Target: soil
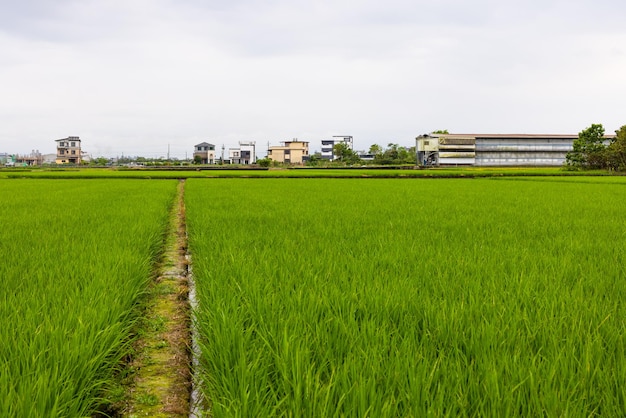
(162, 379)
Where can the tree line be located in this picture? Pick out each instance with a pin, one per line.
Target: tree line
(392, 154)
(593, 150)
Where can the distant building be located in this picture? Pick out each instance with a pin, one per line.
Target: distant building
(68, 150)
(206, 152)
(329, 144)
(366, 156)
(494, 149)
(34, 158)
(245, 154)
(291, 152)
(49, 158)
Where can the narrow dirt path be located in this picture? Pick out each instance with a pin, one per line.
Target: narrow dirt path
(162, 366)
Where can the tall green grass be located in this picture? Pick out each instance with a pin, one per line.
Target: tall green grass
(75, 258)
(410, 298)
(296, 172)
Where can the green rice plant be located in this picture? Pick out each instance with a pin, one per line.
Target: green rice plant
(294, 172)
(76, 257)
(415, 298)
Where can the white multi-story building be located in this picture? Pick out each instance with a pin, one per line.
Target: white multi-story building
(245, 154)
(329, 144)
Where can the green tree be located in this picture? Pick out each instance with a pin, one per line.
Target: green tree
(100, 161)
(441, 132)
(392, 151)
(197, 159)
(343, 152)
(412, 156)
(616, 151)
(375, 149)
(315, 159)
(589, 149)
(264, 162)
(353, 158)
(394, 154)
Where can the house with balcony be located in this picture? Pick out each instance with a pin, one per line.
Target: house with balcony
(68, 150)
(290, 152)
(205, 152)
(245, 154)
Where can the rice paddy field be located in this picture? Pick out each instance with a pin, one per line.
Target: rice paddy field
(75, 258)
(294, 172)
(381, 297)
(387, 298)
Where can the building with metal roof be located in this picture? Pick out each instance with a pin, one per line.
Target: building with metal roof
(494, 149)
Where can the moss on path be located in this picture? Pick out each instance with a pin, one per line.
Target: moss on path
(162, 379)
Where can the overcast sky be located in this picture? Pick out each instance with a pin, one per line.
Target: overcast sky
(132, 76)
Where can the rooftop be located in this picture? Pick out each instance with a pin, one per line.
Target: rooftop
(512, 136)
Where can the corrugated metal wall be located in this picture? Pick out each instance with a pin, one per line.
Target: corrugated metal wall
(522, 152)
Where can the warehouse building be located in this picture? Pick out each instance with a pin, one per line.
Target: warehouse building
(493, 149)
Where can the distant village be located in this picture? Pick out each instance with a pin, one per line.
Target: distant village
(69, 151)
(438, 148)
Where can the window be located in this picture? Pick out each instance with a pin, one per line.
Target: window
(73, 144)
(61, 152)
(426, 143)
(73, 152)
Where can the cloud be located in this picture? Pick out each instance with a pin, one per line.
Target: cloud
(136, 76)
